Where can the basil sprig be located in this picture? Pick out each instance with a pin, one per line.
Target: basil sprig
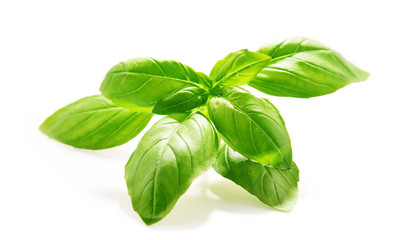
(201, 111)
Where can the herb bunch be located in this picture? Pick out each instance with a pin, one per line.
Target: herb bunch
(201, 111)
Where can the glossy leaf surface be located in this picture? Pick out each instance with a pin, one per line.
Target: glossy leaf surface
(301, 67)
(138, 84)
(94, 123)
(276, 188)
(204, 80)
(251, 126)
(181, 101)
(238, 68)
(168, 158)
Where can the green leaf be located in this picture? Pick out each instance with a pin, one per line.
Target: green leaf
(205, 81)
(182, 101)
(94, 123)
(172, 153)
(277, 188)
(251, 126)
(303, 68)
(238, 68)
(138, 84)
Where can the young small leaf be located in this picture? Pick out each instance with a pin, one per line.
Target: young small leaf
(303, 68)
(238, 68)
(251, 126)
(204, 80)
(276, 188)
(94, 123)
(172, 153)
(181, 101)
(138, 84)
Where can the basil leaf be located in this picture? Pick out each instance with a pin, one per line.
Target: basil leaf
(277, 188)
(238, 68)
(205, 81)
(182, 101)
(251, 126)
(138, 84)
(168, 158)
(303, 68)
(94, 123)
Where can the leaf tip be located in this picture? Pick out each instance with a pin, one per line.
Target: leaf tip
(270, 159)
(43, 127)
(364, 75)
(150, 221)
(286, 206)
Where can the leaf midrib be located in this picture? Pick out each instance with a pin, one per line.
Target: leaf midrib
(291, 54)
(162, 153)
(243, 68)
(158, 76)
(239, 109)
(183, 102)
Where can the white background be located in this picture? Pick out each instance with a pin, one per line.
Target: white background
(345, 144)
